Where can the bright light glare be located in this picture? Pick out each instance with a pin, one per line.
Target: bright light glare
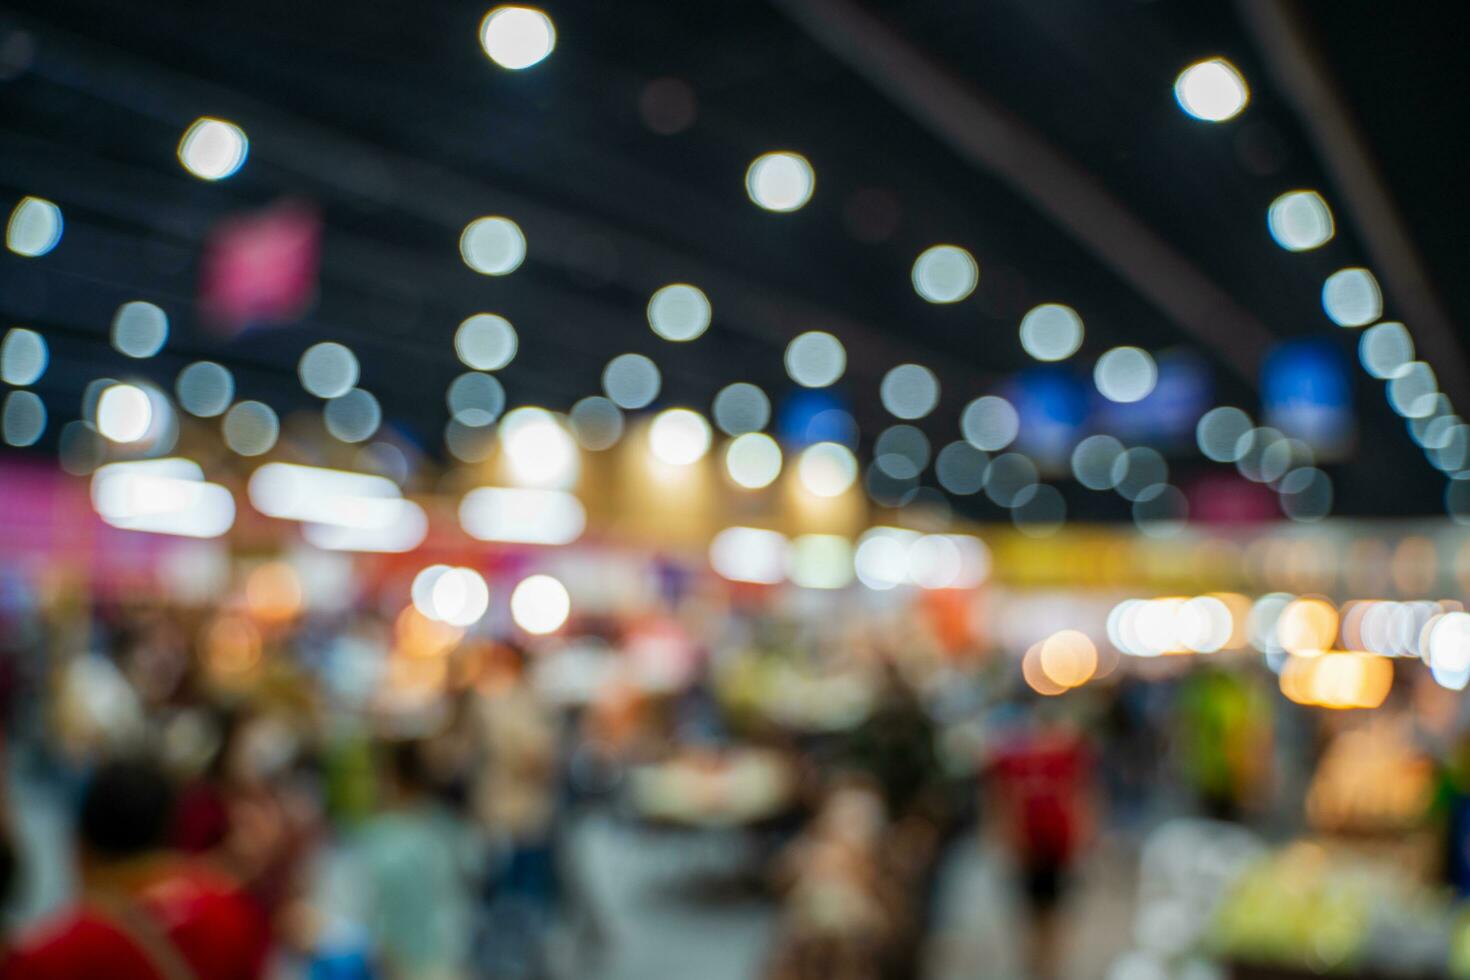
(493, 246)
(23, 357)
(881, 558)
(213, 149)
(631, 381)
(486, 342)
(124, 413)
(524, 516)
(1211, 90)
(909, 391)
(1447, 649)
(990, 423)
(1051, 332)
(679, 312)
(820, 561)
(679, 436)
(162, 496)
(827, 469)
(540, 604)
(405, 533)
(753, 460)
(517, 37)
(780, 181)
(459, 597)
(749, 554)
(815, 359)
(1351, 298)
(1125, 374)
(314, 494)
(1300, 220)
(139, 329)
(945, 274)
(539, 450)
(35, 227)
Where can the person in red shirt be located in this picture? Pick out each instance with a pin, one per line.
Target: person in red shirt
(1041, 779)
(145, 913)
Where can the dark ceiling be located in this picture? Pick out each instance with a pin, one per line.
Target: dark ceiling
(390, 118)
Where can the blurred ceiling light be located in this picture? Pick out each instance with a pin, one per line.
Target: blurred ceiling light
(1125, 374)
(205, 389)
(945, 274)
(23, 419)
(1211, 90)
(353, 416)
(523, 516)
(1219, 433)
(1010, 480)
(631, 380)
(1386, 350)
(740, 408)
(815, 359)
(1051, 332)
(458, 596)
(23, 357)
(753, 460)
(1300, 220)
(780, 181)
(1093, 459)
(405, 533)
(679, 312)
(540, 604)
(124, 413)
(990, 423)
(139, 329)
(475, 399)
(820, 561)
(251, 428)
(909, 391)
(827, 469)
(749, 554)
(539, 450)
(486, 342)
(317, 495)
(679, 436)
(493, 246)
(597, 422)
(328, 369)
(960, 468)
(213, 149)
(517, 37)
(35, 227)
(1351, 298)
(162, 496)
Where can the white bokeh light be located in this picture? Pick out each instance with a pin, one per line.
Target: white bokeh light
(631, 381)
(539, 450)
(945, 274)
(251, 428)
(740, 408)
(23, 357)
(750, 554)
(353, 416)
(1351, 298)
(1051, 332)
(815, 359)
(213, 149)
(205, 389)
(780, 181)
(328, 369)
(1300, 221)
(753, 460)
(517, 37)
(540, 604)
(493, 246)
(597, 422)
(458, 596)
(1211, 90)
(1386, 350)
(486, 342)
(827, 469)
(679, 436)
(124, 413)
(1125, 374)
(23, 418)
(1219, 433)
(909, 391)
(475, 399)
(34, 228)
(679, 312)
(139, 329)
(990, 423)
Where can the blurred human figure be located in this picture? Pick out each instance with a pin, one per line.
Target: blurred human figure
(145, 913)
(1041, 778)
(414, 859)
